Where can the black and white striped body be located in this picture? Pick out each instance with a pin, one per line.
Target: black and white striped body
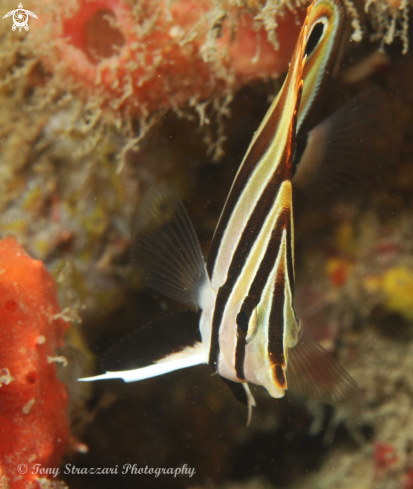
(251, 263)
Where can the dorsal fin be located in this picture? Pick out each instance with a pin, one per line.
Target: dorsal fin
(325, 43)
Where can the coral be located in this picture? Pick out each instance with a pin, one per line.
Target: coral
(390, 19)
(397, 286)
(33, 421)
(384, 456)
(162, 54)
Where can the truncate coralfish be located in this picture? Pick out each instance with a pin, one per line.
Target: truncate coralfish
(243, 322)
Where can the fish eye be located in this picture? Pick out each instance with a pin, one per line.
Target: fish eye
(242, 323)
(314, 38)
(246, 321)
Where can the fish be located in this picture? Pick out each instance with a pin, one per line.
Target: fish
(240, 317)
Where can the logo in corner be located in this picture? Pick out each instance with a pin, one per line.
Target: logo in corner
(20, 18)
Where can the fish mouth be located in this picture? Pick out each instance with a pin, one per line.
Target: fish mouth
(274, 390)
(268, 379)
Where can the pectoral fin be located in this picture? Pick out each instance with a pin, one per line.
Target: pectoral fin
(170, 343)
(166, 249)
(341, 157)
(314, 373)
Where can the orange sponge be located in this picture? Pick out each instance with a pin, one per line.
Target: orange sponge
(162, 54)
(34, 427)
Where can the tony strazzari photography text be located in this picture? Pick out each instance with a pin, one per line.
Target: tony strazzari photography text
(133, 469)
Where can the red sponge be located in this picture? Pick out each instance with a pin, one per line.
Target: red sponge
(34, 427)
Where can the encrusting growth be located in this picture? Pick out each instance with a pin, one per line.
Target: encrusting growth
(34, 427)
